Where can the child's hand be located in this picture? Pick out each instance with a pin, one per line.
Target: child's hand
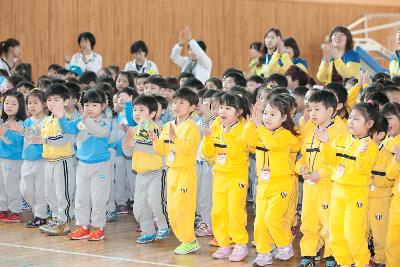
(327, 52)
(129, 140)
(172, 134)
(36, 140)
(322, 135)
(363, 146)
(256, 115)
(314, 176)
(280, 46)
(361, 76)
(397, 153)
(14, 126)
(207, 131)
(304, 172)
(67, 58)
(58, 110)
(153, 136)
(367, 78)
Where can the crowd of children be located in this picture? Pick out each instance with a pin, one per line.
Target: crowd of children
(187, 154)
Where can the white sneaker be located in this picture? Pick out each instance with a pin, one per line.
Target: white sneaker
(262, 259)
(285, 253)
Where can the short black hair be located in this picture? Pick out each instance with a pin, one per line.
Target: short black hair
(291, 42)
(194, 83)
(129, 91)
(25, 84)
(201, 93)
(380, 75)
(57, 80)
(129, 76)
(378, 97)
(209, 93)
(327, 98)
(44, 82)
(89, 36)
(25, 69)
(74, 90)
(139, 46)
(339, 90)
(296, 73)
(237, 77)
(256, 46)
(216, 81)
(105, 79)
(21, 113)
(391, 108)
(58, 89)
(381, 124)
(185, 75)
(157, 80)
(53, 67)
(256, 79)
(15, 79)
(162, 100)
(87, 77)
(148, 101)
(188, 95)
(300, 91)
(94, 96)
(280, 79)
(172, 83)
(242, 92)
(142, 75)
(62, 71)
(229, 70)
(278, 91)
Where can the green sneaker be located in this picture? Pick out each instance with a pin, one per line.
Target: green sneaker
(186, 248)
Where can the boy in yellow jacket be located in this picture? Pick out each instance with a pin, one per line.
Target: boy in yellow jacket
(150, 202)
(178, 142)
(317, 180)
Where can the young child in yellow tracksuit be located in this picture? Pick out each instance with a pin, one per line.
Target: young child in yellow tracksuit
(351, 158)
(178, 142)
(274, 138)
(392, 247)
(317, 180)
(224, 143)
(380, 194)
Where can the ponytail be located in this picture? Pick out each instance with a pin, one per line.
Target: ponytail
(7, 44)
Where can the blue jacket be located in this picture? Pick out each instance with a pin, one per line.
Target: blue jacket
(32, 151)
(11, 145)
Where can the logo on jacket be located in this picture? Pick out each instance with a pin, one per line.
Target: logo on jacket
(183, 190)
(325, 206)
(283, 194)
(378, 217)
(242, 185)
(359, 204)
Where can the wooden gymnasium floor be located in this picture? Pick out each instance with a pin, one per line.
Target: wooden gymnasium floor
(23, 247)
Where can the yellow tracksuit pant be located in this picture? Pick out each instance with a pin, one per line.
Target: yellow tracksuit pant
(228, 213)
(348, 225)
(181, 202)
(392, 248)
(291, 219)
(378, 214)
(272, 203)
(315, 218)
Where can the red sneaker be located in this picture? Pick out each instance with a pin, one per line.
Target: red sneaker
(96, 235)
(78, 234)
(13, 218)
(4, 215)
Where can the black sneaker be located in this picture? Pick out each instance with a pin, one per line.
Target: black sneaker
(35, 222)
(330, 262)
(307, 261)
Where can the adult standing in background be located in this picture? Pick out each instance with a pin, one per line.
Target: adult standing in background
(197, 61)
(86, 59)
(140, 63)
(10, 54)
(394, 65)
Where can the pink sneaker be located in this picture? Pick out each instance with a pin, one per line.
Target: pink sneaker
(204, 230)
(222, 253)
(239, 253)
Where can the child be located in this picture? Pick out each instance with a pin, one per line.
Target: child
(223, 143)
(194, 84)
(124, 79)
(172, 87)
(24, 88)
(204, 169)
(380, 194)
(11, 146)
(341, 95)
(93, 174)
(299, 93)
(274, 140)
(154, 85)
(58, 153)
(178, 143)
(351, 158)
(317, 183)
(88, 78)
(150, 194)
(296, 77)
(231, 79)
(213, 83)
(52, 70)
(140, 82)
(74, 99)
(164, 115)
(254, 82)
(32, 171)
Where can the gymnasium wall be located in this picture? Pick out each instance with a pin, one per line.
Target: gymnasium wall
(48, 29)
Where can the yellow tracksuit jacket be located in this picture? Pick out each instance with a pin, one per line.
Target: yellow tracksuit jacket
(180, 156)
(230, 182)
(394, 65)
(392, 246)
(379, 203)
(349, 197)
(275, 165)
(316, 196)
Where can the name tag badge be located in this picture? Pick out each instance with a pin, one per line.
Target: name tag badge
(340, 170)
(171, 156)
(221, 157)
(265, 174)
(372, 188)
